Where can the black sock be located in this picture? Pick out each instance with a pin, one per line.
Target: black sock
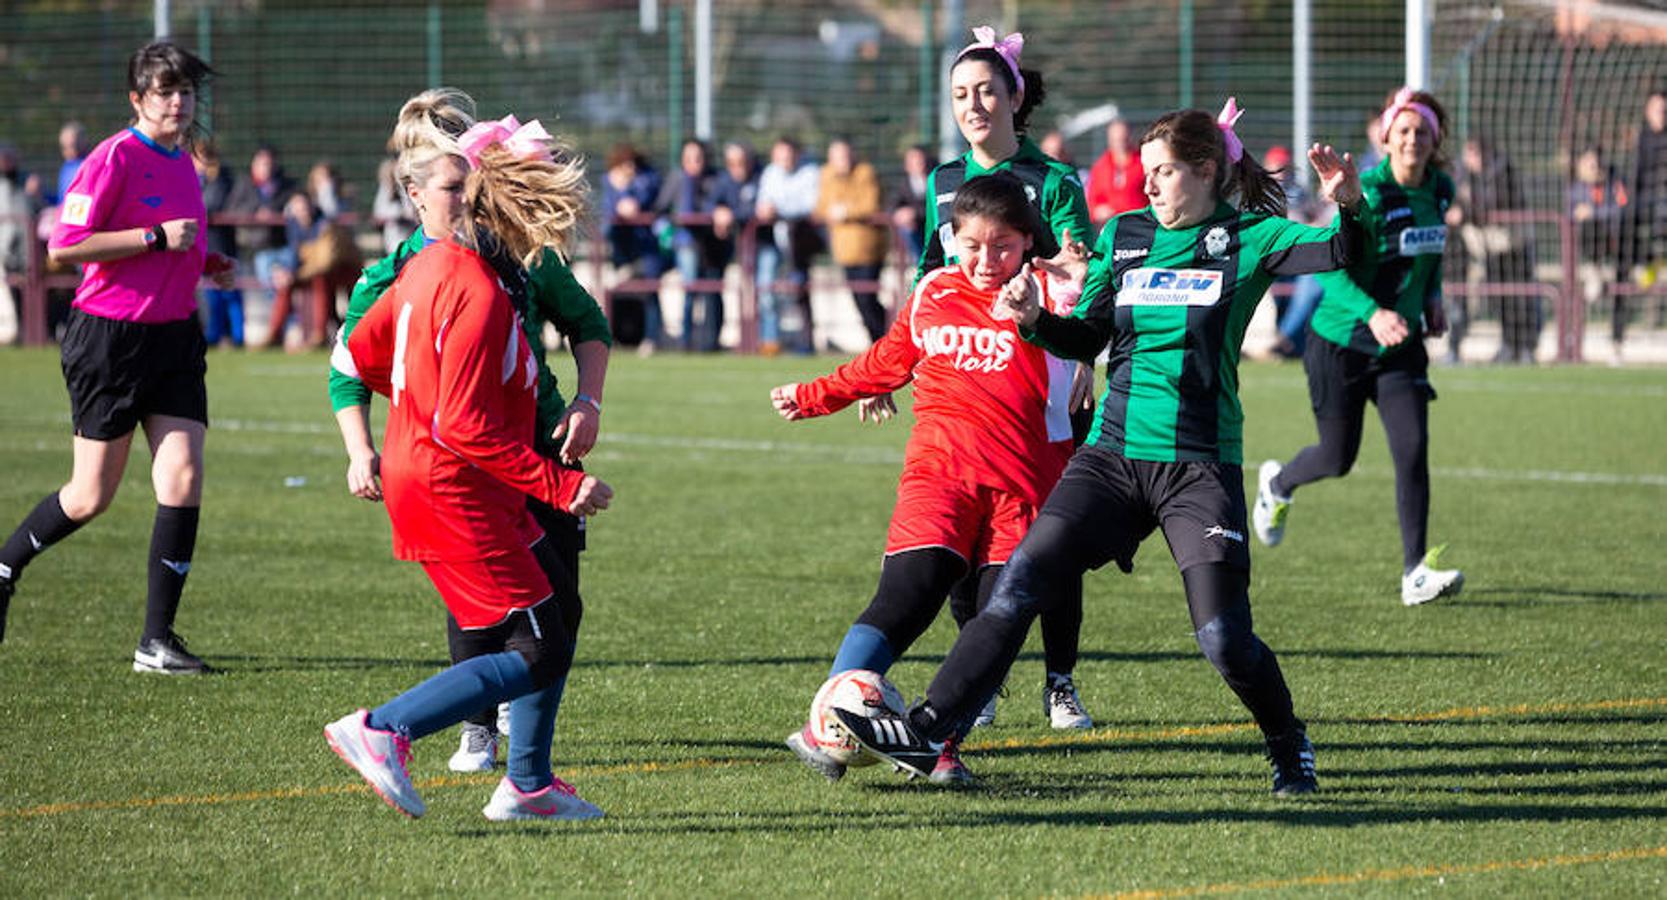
(172, 540)
(45, 525)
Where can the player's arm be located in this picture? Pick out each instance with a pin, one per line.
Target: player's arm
(576, 314)
(93, 194)
(1086, 331)
(884, 367)
(931, 249)
(374, 281)
(367, 356)
(1067, 207)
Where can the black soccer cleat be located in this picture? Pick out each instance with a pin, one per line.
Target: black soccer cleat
(890, 737)
(167, 656)
(1292, 757)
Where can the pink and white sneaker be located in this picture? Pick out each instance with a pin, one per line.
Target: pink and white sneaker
(558, 801)
(379, 756)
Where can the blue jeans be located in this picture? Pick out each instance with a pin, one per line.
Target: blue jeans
(691, 267)
(225, 316)
(769, 302)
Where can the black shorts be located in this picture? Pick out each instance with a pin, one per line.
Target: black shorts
(1113, 503)
(1341, 380)
(120, 372)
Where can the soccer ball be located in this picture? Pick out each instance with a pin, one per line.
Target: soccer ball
(858, 691)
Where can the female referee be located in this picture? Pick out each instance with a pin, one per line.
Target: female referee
(133, 355)
(1172, 288)
(433, 176)
(445, 345)
(1372, 348)
(992, 98)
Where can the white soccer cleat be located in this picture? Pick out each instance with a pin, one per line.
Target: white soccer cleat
(379, 756)
(503, 721)
(1062, 705)
(477, 750)
(556, 802)
(1425, 582)
(987, 715)
(1268, 515)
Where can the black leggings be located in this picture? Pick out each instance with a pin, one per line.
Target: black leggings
(1061, 625)
(913, 587)
(1403, 400)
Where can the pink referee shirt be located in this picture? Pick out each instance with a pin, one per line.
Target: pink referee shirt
(129, 181)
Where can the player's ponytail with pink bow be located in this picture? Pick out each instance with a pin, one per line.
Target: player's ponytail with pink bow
(1195, 137)
(524, 187)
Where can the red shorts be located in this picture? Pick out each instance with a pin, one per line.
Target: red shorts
(481, 593)
(981, 524)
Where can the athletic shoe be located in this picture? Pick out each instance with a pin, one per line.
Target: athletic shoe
(986, 716)
(1426, 582)
(1061, 704)
(167, 656)
(1292, 757)
(503, 721)
(803, 744)
(477, 750)
(949, 770)
(1268, 516)
(7, 588)
(379, 756)
(890, 737)
(558, 801)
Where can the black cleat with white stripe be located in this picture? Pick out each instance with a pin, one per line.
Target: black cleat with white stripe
(890, 737)
(1292, 757)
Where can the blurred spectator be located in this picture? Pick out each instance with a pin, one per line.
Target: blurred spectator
(326, 258)
(701, 255)
(849, 198)
(737, 195)
(72, 146)
(1116, 183)
(1054, 145)
(1496, 252)
(629, 189)
(1371, 153)
(1296, 308)
(392, 208)
(908, 199)
(1644, 227)
(14, 231)
(223, 308)
(259, 197)
(787, 192)
(1597, 200)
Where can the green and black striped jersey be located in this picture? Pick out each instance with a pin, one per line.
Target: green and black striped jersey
(1174, 304)
(1406, 233)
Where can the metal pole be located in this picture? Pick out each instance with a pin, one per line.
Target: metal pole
(1302, 88)
(674, 83)
(703, 69)
(1185, 27)
(205, 49)
(954, 29)
(928, 87)
(1418, 43)
(161, 10)
(434, 43)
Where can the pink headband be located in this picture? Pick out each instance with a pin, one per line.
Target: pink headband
(1403, 101)
(1229, 117)
(529, 141)
(1008, 48)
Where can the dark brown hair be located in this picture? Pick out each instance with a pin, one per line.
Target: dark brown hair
(999, 197)
(1193, 138)
(164, 64)
(1035, 91)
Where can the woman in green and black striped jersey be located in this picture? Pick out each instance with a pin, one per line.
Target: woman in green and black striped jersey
(1372, 347)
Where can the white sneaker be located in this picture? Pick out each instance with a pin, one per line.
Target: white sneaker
(503, 721)
(1061, 704)
(557, 801)
(1425, 582)
(1268, 515)
(987, 715)
(379, 756)
(477, 750)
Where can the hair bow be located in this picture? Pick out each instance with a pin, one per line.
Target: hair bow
(529, 141)
(1008, 48)
(1404, 101)
(1229, 117)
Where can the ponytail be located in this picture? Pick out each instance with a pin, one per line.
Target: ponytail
(428, 128)
(528, 204)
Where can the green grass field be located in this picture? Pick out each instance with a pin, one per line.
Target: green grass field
(1510, 743)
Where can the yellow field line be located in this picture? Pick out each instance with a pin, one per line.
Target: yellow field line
(1099, 735)
(1402, 874)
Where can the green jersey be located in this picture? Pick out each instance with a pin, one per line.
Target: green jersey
(1174, 304)
(1406, 233)
(1053, 187)
(552, 295)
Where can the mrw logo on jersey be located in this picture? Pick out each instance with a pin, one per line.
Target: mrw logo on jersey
(1423, 241)
(973, 349)
(1169, 287)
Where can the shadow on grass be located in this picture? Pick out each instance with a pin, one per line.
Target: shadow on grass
(1542, 595)
(1152, 656)
(235, 664)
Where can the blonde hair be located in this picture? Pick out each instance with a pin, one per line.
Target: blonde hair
(428, 128)
(527, 204)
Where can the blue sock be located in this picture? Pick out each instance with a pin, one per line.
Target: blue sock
(532, 727)
(455, 694)
(864, 647)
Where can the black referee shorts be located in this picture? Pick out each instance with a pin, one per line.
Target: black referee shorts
(120, 372)
(1111, 503)
(1341, 380)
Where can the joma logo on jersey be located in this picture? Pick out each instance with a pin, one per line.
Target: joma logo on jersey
(974, 349)
(1421, 241)
(1170, 287)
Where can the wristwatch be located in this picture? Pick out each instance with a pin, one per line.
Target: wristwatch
(156, 239)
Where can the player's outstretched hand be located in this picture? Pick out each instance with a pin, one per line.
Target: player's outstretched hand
(785, 398)
(1070, 264)
(876, 409)
(364, 476)
(1339, 182)
(1387, 327)
(579, 426)
(1018, 299)
(594, 496)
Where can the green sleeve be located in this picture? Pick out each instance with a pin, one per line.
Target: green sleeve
(931, 252)
(562, 301)
(345, 390)
(1067, 207)
(1098, 293)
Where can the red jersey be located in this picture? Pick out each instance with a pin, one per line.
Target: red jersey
(1117, 187)
(445, 346)
(989, 406)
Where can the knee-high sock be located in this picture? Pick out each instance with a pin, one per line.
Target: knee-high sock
(532, 726)
(445, 699)
(172, 541)
(45, 525)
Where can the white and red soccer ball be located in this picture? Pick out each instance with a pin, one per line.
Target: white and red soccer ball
(857, 691)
